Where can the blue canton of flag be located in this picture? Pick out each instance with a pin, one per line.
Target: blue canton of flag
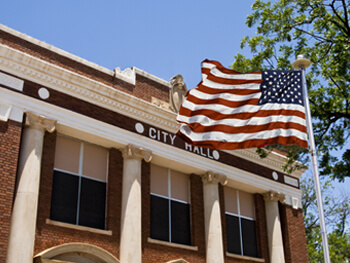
(281, 87)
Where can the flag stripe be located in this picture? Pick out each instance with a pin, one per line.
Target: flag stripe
(231, 110)
(238, 123)
(219, 86)
(239, 90)
(247, 128)
(249, 110)
(239, 137)
(226, 95)
(222, 102)
(248, 143)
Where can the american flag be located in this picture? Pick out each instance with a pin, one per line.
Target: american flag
(231, 110)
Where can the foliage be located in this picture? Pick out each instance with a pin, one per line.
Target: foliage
(320, 30)
(337, 212)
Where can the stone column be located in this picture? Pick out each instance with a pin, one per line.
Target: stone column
(24, 213)
(131, 233)
(212, 216)
(274, 231)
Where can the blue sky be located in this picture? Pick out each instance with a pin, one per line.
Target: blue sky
(163, 38)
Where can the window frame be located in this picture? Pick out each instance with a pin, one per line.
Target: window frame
(169, 199)
(240, 217)
(81, 176)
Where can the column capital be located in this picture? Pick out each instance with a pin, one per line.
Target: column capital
(211, 177)
(274, 196)
(40, 122)
(130, 151)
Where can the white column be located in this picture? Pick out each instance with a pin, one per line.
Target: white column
(212, 216)
(274, 231)
(23, 219)
(131, 233)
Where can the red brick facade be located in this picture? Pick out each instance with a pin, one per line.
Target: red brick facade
(294, 237)
(10, 138)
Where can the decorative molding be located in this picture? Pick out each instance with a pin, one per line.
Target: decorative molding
(5, 111)
(82, 249)
(214, 178)
(11, 82)
(130, 151)
(177, 92)
(291, 181)
(274, 196)
(84, 88)
(128, 73)
(40, 122)
(274, 160)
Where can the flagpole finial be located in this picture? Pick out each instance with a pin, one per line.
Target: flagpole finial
(301, 63)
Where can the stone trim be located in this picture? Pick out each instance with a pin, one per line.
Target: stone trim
(251, 259)
(169, 244)
(40, 122)
(49, 255)
(211, 177)
(131, 152)
(80, 228)
(274, 196)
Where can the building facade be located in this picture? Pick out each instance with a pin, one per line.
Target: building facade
(91, 170)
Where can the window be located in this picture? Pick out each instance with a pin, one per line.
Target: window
(79, 183)
(240, 223)
(170, 208)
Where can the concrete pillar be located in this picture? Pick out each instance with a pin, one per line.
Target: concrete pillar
(131, 233)
(274, 231)
(212, 217)
(23, 219)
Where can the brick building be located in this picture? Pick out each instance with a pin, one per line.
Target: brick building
(91, 170)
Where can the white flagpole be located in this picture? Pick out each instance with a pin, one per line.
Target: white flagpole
(301, 63)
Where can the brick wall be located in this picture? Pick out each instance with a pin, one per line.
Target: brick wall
(48, 235)
(261, 228)
(10, 137)
(294, 237)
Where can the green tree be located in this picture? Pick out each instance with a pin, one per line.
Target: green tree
(337, 212)
(321, 31)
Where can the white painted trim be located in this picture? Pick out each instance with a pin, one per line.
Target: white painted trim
(82, 248)
(5, 111)
(165, 243)
(244, 257)
(11, 82)
(79, 227)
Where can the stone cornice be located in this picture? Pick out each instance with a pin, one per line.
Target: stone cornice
(273, 160)
(65, 81)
